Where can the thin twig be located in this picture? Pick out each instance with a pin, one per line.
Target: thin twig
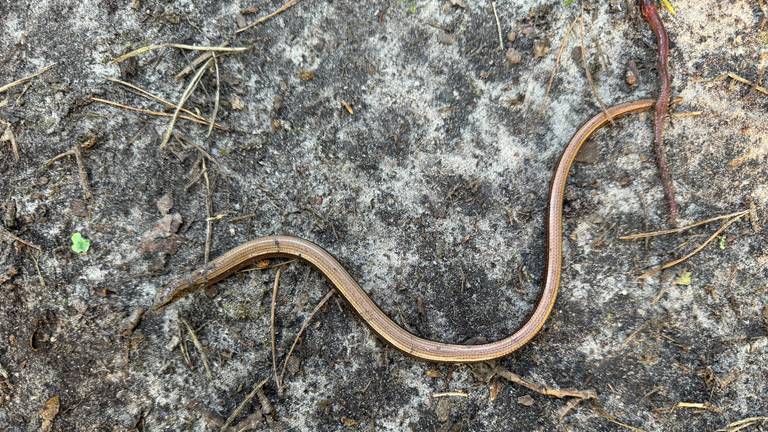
(638, 236)
(198, 347)
(149, 95)
(208, 211)
(742, 424)
(149, 48)
(272, 326)
(218, 91)
(19, 239)
(304, 326)
(13, 84)
(242, 405)
(281, 9)
(498, 25)
(187, 93)
(698, 249)
(585, 64)
(40, 277)
(150, 112)
(8, 136)
(543, 390)
(81, 171)
(450, 394)
(563, 45)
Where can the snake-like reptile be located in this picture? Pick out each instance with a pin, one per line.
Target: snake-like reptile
(293, 247)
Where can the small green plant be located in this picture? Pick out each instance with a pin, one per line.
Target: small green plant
(80, 244)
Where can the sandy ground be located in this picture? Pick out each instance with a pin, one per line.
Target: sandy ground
(402, 137)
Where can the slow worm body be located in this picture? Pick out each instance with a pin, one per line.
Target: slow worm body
(293, 247)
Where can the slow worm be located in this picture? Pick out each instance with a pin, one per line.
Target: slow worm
(293, 247)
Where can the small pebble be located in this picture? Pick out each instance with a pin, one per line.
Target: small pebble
(514, 56)
(630, 78)
(540, 49)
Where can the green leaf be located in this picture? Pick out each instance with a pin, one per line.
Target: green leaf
(80, 244)
(568, 2)
(722, 242)
(684, 278)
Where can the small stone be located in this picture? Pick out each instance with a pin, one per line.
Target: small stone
(528, 31)
(511, 36)
(526, 400)
(540, 49)
(236, 103)
(630, 78)
(446, 38)
(514, 56)
(443, 410)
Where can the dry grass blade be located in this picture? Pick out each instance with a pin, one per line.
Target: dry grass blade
(289, 4)
(739, 79)
(150, 112)
(498, 25)
(585, 64)
(273, 307)
(19, 239)
(183, 100)
(148, 48)
(198, 347)
(19, 81)
(450, 394)
(563, 45)
(742, 424)
(242, 405)
(148, 95)
(543, 390)
(303, 328)
(218, 94)
(698, 249)
(644, 235)
(8, 136)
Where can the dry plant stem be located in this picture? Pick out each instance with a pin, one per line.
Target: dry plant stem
(20, 81)
(651, 15)
(8, 136)
(272, 326)
(242, 405)
(450, 394)
(742, 424)
(745, 81)
(208, 211)
(218, 94)
(543, 390)
(152, 113)
(498, 25)
(585, 64)
(644, 235)
(149, 95)
(18, 239)
(281, 9)
(198, 347)
(698, 249)
(40, 278)
(187, 93)
(81, 171)
(303, 328)
(149, 48)
(563, 45)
